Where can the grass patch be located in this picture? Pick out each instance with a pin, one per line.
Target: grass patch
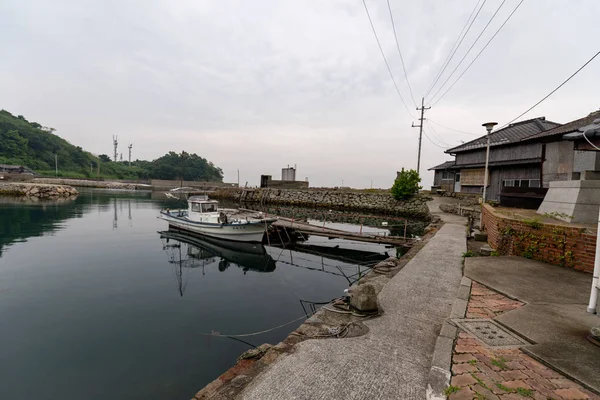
(525, 392)
(502, 387)
(500, 363)
(482, 383)
(468, 254)
(451, 389)
(472, 362)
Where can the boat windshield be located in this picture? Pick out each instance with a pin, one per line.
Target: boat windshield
(209, 207)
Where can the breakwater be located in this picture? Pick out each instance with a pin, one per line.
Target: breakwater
(380, 203)
(36, 190)
(91, 184)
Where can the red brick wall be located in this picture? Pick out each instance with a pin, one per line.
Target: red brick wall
(555, 244)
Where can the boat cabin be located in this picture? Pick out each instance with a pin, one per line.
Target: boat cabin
(202, 209)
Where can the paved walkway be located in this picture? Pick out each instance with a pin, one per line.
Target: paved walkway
(482, 372)
(392, 361)
(550, 311)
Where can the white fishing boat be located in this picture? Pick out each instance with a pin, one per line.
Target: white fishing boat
(204, 217)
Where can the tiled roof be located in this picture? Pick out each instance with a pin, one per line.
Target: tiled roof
(445, 165)
(513, 133)
(568, 127)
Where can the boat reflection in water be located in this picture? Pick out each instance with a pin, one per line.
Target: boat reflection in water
(187, 250)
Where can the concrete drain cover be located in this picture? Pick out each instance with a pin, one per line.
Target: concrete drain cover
(490, 333)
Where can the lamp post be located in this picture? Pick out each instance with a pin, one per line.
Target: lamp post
(488, 126)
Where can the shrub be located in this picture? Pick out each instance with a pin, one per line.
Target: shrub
(406, 184)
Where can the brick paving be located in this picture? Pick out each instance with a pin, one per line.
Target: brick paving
(486, 303)
(480, 372)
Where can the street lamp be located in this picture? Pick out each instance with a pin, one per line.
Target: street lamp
(488, 126)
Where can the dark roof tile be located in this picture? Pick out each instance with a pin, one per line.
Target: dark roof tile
(445, 165)
(513, 133)
(566, 128)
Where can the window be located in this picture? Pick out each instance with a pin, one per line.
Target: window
(209, 207)
(447, 176)
(524, 183)
(196, 207)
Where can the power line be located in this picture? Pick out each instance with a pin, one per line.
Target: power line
(433, 143)
(455, 47)
(552, 92)
(400, 53)
(385, 59)
(435, 134)
(452, 129)
(470, 48)
(481, 51)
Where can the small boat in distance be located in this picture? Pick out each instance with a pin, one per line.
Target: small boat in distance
(204, 217)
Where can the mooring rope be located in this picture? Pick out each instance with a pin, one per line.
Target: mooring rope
(255, 333)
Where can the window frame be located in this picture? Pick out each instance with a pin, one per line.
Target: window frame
(520, 183)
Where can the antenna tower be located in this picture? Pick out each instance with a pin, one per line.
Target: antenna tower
(115, 144)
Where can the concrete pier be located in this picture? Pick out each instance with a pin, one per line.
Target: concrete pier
(394, 358)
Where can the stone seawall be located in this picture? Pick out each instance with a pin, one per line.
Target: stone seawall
(381, 203)
(91, 184)
(36, 190)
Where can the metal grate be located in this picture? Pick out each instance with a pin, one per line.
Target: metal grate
(491, 333)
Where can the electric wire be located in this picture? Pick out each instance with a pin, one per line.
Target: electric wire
(432, 142)
(470, 48)
(385, 60)
(400, 53)
(455, 47)
(588, 140)
(478, 54)
(435, 134)
(452, 129)
(552, 92)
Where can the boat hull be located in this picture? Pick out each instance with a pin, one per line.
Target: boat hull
(250, 232)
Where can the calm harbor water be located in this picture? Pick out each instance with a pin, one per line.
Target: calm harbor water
(97, 301)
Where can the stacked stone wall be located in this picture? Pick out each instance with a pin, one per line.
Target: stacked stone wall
(378, 202)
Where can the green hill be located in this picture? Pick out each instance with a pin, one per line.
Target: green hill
(34, 146)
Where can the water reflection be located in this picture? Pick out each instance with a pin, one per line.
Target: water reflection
(186, 250)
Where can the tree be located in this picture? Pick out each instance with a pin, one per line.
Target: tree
(104, 158)
(406, 184)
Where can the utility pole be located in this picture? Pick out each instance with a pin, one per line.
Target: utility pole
(56, 163)
(129, 147)
(420, 126)
(238, 177)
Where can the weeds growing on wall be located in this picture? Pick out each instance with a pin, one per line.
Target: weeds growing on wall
(530, 244)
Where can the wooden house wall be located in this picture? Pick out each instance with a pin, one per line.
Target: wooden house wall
(497, 175)
(503, 153)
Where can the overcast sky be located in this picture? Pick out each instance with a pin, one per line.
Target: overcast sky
(258, 85)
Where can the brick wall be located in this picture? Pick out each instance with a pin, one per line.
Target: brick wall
(562, 245)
